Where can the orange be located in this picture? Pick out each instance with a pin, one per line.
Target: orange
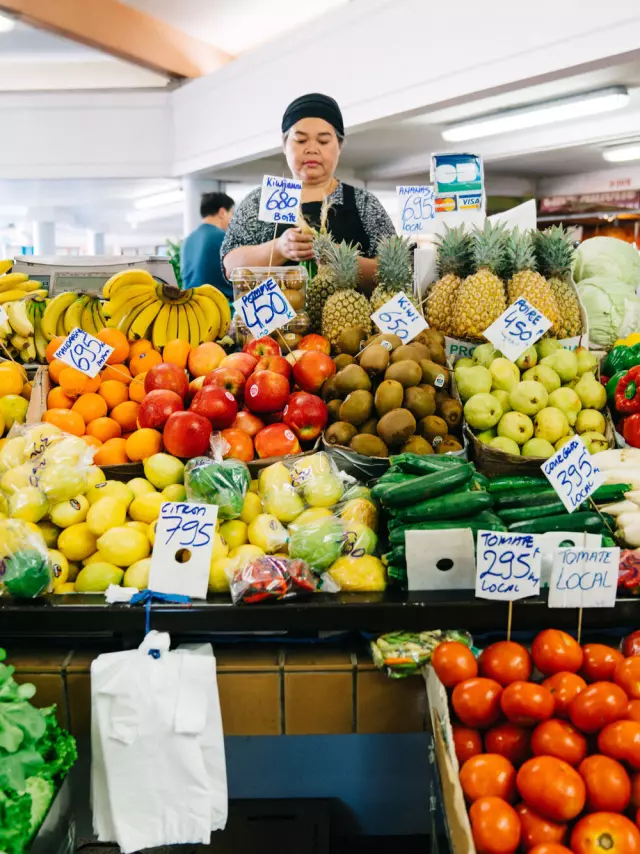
(144, 361)
(52, 346)
(75, 383)
(120, 373)
(27, 389)
(57, 399)
(126, 435)
(112, 453)
(92, 441)
(10, 380)
(90, 406)
(136, 389)
(126, 414)
(113, 392)
(104, 429)
(177, 352)
(143, 443)
(65, 419)
(141, 346)
(114, 338)
(55, 369)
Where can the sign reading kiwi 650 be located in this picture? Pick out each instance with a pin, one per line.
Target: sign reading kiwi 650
(399, 317)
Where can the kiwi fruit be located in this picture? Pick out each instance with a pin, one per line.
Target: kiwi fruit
(330, 390)
(334, 409)
(434, 335)
(374, 359)
(416, 445)
(389, 395)
(343, 360)
(434, 374)
(352, 378)
(352, 340)
(448, 445)
(296, 298)
(357, 407)
(396, 427)
(369, 446)
(437, 354)
(451, 412)
(409, 351)
(441, 395)
(393, 340)
(370, 426)
(419, 402)
(339, 433)
(433, 426)
(407, 372)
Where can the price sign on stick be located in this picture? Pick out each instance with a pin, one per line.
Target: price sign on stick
(183, 546)
(280, 199)
(584, 578)
(84, 352)
(520, 326)
(264, 309)
(417, 207)
(573, 473)
(507, 566)
(400, 317)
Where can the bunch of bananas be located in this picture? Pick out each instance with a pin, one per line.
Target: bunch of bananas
(21, 331)
(15, 286)
(70, 310)
(141, 307)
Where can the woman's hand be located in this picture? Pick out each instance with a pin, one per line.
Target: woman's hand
(295, 245)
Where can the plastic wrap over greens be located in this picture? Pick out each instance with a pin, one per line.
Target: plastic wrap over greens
(25, 569)
(223, 482)
(402, 654)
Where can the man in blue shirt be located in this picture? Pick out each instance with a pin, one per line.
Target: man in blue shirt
(200, 254)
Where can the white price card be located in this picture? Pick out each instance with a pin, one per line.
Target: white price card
(84, 352)
(416, 207)
(280, 199)
(520, 326)
(182, 551)
(584, 578)
(264, 309)
(572, 473)
(400, 317)
(507, 566)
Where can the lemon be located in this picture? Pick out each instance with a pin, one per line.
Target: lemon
(146, 508)
(359, 574)
(97, 577)
(138, 574)
(309, 517)
(96, 557)
(50, 532)
(59, 566)
(123, 546)
(254, 485)
(74, 569)
(151, 532)
(140, 486)
(39, 438)
(4, 505)
(95, 475)
(218, 578)
(61, 589)
(243, 555)
(174, 492)
(137, 526)
(106, 513)
(70, 450)
(284, 503)
(29, 504)
(77, 542)
(251, 508)
(267, 532)
(69, 512)
(273, 477)
(163, 470)
(112, 489)
(220, 548)
(12, 453)
(17, 478)
(235, 533)
(62, 481)
(323, 490)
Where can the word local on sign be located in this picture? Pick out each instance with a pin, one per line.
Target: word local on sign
(399, 317)
(572, 474)
(584, 578)
(84, 352)
(279, 199)
(508, 566)
(416, 207)
(264, 309)
(520, 326)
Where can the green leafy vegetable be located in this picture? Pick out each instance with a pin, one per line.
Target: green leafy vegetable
(15, 821)
(604, 300)
(609, 257)
(42, 793)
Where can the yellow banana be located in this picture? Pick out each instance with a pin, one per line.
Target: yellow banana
(223, 306)
(172, 325)
(86, 318)
(119, 316)
(129, 318)
(20, 342)
(73, 315)
(30, 286)
(160, 324)
(125, 278)
(183, 324)
(52, 319)
(39, 339)
(101, 317)
(13, 280)
(123, 298)
(29, 353)
(194, 326)
(213, 321)
(19, 319)
(5, 266)
(9, 296)
(95, 311)
(60, 333)
(144, 320)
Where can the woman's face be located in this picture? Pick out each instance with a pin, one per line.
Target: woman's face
(312, 150)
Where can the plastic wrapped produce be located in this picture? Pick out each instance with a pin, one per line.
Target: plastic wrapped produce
(268, 578)
(364, 574)
(402, 654)
(319, 542)
(221, 482)
(25, 568)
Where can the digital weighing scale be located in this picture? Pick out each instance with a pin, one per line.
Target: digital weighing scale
(88, 274)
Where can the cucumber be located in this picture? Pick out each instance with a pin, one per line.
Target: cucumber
(482, 522)
(396, 556)
(395, 477)
(418, 464)
(512, 482)
(526, 498)
(397, 573)
(587, 523)
(422, 488)
(459, 504)
(522, 514)
(480, 481)
(610, 493)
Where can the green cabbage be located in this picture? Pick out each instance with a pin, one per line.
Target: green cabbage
(607, 256)
(604, 300)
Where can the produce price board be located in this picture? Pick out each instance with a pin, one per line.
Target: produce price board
(264, 309)
(520, 326)
(84, 352)
(573, 474)
(280, 200)
(584, 578)
(417, 207)
(508, 566)
(400, 317)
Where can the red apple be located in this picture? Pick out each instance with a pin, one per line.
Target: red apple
(229, 378)
(262, 347)
(205, 358)
(315, 342)
(216, 404)
(157, 406)
(306, 414)
(248, 422)
(277, 364)
(243, 362)
(266, 391)
(168, 376)
(272, 417)
(194, 386)
(312, 369)
(276, 440)
(187, 434)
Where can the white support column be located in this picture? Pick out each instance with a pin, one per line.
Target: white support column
(193, 188)
(96, 242)
(44, 237)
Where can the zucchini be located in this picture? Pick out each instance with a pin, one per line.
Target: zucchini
(427, 464)
(482, 522)
(397, 573)
(526, 498)
(610, 493)
(396, 556)
(508, 483)
(481, 481)
(422, 488)
(459, 504)
(395, 477)
(521, 514)
(581, 522)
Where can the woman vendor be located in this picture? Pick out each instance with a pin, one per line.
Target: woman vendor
(313, 135)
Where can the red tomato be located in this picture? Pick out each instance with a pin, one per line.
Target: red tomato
(631, 644)
(621, 740)
(506, 662)
(633, 711)
(558, 738)
(495, 826)
(536, 829)
(488, 775)
(510, 741)
(550, 848)
(553, 651)
(627, 676)
(552, 788)
(599, 662)
(607, 832)
(608, 784)
(526, 703)
(453, 662)
(635, 792)
(565, 687)
(477, 702)
(598, 705)
(467, 742)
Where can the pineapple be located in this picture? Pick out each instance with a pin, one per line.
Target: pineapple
(525, 281)
(481, 297)
(454, 263)
(555, 251)
(323, 283)
(395, 272)
(346, 307)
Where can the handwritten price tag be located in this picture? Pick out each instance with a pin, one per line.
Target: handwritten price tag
(400, 317)
(573, 474)
(264, 309)
(280, 199)
(417, 207)
(84, 352)
(584, 578)
(508, 566)
(183, 547)
(519, 327)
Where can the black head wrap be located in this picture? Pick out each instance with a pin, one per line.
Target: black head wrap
(313, 106)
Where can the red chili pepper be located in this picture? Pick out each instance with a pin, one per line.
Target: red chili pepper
(631, 430)
(627, 394)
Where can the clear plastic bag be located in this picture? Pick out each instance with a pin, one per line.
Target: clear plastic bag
(401, 654)
(221, 482)
(318, 542)
(359, 574)
(269, 579)
(25, 567)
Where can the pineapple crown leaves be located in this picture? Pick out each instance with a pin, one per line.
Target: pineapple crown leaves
(554, 251)
(394, 262)
(454, 252)
(322, 245)
(343, 261)
(520, 254)
(489, 246)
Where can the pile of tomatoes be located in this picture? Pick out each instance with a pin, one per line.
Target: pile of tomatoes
(549, 767)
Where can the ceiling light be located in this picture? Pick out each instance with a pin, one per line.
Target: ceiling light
(169, 197)
(543, 113)
(621, 153)
(6, 24)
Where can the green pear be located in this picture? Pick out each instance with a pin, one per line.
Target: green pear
(564, 363)
(516, 427)
(567, 401)
(484, 354)
(550, 424)
(506, 445)
(476, 380)
(595, 442)
(562, 442)
(529, 359)
(590, 421)
(482, 411)
(538, 448)
(545, 375)
(592, 393)
(463, 363)
(528, 397)
(487, 435)
(547, 346)
(587, 362)
(503, 399)
(504, 373)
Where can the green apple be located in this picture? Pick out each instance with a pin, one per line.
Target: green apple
(482, 411)
(516, 427)
(566, 400)
(590, 421)
(592, 393)
(538, 448)
(506, 445)
(550, 424)
(503, 399)
(529, 359)
(545, 375)
(476, 380)
(595, 442)
(504, 375)
(528, 397)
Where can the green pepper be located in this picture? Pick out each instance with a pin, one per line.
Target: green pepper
(620, 358)
(612, 385)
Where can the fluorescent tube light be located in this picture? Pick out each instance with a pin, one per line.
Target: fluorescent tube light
(169, 197)
(621, 153)
(543, 113)
(6, 24)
